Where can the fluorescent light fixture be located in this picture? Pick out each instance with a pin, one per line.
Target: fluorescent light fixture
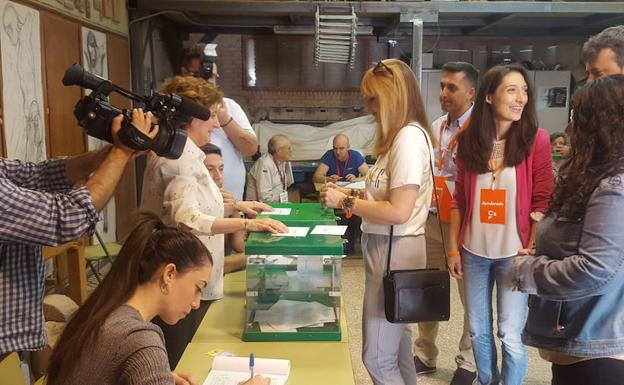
(309, 30)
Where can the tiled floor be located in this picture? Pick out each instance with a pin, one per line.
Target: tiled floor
(353, 289)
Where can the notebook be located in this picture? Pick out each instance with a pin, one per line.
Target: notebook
(233, 370)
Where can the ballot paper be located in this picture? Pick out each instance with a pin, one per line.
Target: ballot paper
(278, 211)
(294, 231)
(234, 370)
(329, 230)
(359, 185)
(286, 316)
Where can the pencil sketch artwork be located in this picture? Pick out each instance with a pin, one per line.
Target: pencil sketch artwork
(94, 60)
(94, 57)
(21, 82)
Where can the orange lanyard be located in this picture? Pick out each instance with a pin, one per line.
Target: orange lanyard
(451, 144)
(344, 170)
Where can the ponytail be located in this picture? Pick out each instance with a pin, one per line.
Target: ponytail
(150, 246)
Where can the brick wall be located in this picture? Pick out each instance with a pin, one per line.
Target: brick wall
(278, 105)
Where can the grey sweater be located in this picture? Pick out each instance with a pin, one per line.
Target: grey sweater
(129, 351)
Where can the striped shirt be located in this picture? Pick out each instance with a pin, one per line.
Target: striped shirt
(38, 206)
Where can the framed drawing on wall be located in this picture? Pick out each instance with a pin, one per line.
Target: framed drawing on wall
(24, 123)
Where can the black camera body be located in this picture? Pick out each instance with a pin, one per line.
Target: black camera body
(207, 67)
(95, 114)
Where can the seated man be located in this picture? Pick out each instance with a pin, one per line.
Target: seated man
(235, 258)
(269, 178)
(341, 163)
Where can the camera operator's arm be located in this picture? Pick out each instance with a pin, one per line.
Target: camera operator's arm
(79, 167)
(238, 129)
(103, 182)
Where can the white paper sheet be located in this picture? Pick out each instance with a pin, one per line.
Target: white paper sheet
(294, 232)
(359, 185)
(278, 211)
(329, 230)
(234, 370)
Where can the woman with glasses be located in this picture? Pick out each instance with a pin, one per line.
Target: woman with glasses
(576, 272)
(398, 193)
(503, 184)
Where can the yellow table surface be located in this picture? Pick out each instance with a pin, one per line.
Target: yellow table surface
(312, 363)
(225, 319)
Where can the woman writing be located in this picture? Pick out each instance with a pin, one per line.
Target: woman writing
(160, 271)
(398, 193)
(504, 177)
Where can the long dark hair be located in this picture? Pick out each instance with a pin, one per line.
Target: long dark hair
(475, 143)
(597, 141)
(150, 246)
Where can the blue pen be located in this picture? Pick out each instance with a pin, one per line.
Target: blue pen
(251, 364)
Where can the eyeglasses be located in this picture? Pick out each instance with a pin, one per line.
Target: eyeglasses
(381, 68)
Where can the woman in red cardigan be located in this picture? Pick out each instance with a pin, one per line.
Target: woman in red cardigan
(504, 180)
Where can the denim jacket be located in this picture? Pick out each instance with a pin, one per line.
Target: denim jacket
(577, 278)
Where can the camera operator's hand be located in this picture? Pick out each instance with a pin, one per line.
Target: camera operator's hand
(142, 122)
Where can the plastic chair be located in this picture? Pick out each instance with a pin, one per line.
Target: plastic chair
(102, 250)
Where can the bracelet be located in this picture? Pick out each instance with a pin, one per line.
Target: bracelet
(453, 253)
(228, 122)
(234, 205)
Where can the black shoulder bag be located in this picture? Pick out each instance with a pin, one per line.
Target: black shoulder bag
(421, 295)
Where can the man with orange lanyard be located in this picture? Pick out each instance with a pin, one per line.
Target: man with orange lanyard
(341, 163)
(457, 91)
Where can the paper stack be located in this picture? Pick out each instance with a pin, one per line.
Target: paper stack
(286, 316)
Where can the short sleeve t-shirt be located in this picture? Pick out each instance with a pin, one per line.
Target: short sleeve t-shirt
(337, 167)
(407, 163)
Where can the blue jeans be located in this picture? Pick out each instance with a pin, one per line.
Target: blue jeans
(480, 274)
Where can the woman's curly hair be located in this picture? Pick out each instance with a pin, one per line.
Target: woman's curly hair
(597, 141)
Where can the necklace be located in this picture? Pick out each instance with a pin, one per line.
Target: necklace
(496, 161)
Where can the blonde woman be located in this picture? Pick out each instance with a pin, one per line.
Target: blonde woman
(398, 193)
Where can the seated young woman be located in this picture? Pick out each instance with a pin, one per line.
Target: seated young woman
(159, 271)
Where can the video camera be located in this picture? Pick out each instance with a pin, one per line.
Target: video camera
(95, 114)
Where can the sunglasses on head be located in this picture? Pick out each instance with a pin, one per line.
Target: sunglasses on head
(381, 68)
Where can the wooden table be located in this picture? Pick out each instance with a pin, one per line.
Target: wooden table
(312, 363)
(76, 274)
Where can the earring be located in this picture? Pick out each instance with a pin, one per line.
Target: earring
(164, 288)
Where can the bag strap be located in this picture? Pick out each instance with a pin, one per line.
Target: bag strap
(437, 199)
(389, 251)
(435, 193)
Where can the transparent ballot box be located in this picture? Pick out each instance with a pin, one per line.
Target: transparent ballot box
(293, 298)
(293, 288)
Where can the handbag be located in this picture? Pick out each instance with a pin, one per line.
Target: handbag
(419, 295)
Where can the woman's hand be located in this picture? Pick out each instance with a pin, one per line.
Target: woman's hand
(266, 225)
(183, 379)
(346, 191)
(350, 178)
(527, 251)
(257, 380)
(332, 197)
(228, 197)
(252, 208)
(563, 150)
(455, 266)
